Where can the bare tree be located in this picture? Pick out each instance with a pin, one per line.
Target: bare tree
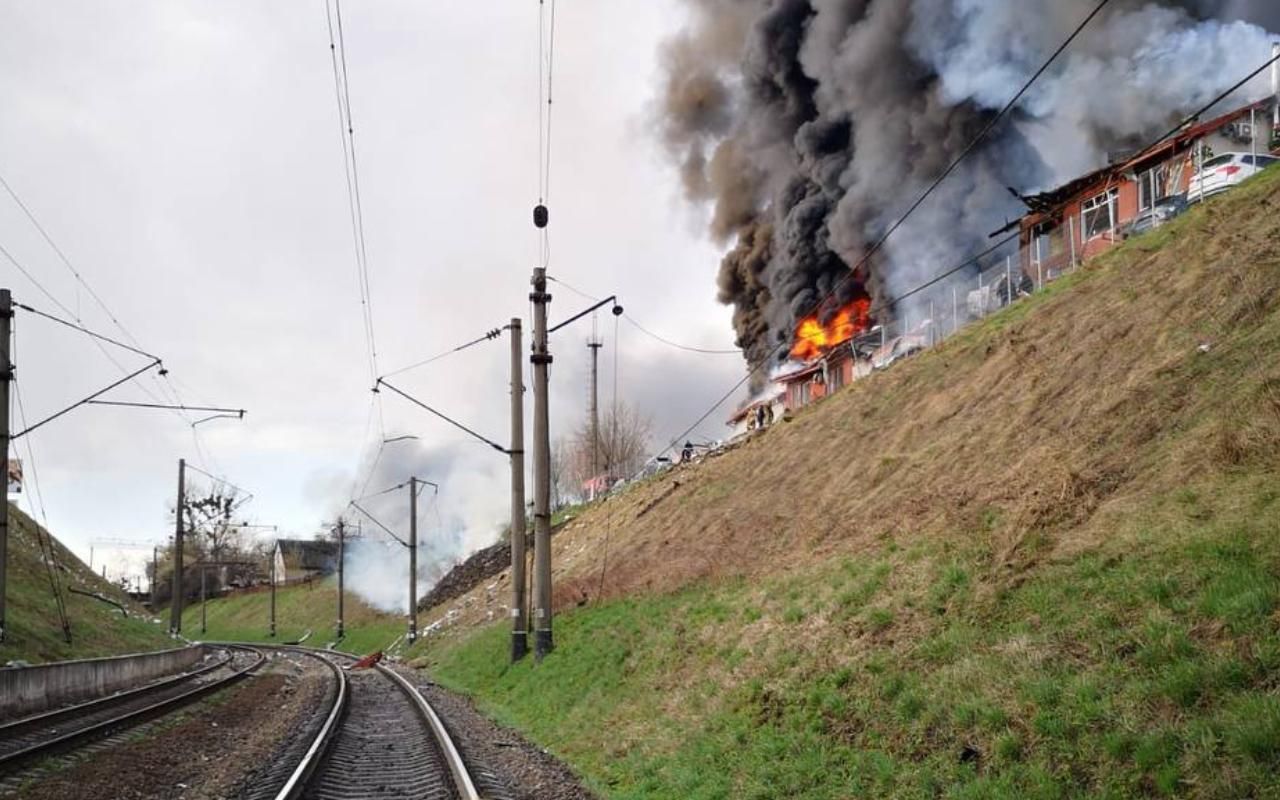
(563, 474)
(209, 519)
(622, 447)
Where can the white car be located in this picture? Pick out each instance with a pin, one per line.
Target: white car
(1222, 172)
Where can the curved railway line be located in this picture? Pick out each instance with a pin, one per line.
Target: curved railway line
(377, 738)
(373, 736)
(29, 739)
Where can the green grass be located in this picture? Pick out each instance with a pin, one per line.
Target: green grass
(308, 607)
(1146, 667)
(34, 631)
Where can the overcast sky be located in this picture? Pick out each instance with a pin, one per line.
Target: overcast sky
(186, 158)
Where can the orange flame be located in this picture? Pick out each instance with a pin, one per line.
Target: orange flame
(813, 338)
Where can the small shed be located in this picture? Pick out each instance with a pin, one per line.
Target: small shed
(304, 559)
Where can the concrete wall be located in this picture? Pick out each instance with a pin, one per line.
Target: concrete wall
(30, 690)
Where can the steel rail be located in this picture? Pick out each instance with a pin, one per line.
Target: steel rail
(72, 739)
(293, 787)
(461, 777)
(306, 771)
(13, 727)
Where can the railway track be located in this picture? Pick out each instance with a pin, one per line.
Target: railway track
(24, 741)
(379, 739)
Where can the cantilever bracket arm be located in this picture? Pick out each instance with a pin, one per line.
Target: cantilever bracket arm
(236, 413)
(617, 312)
(458, 425)
(378, 522)
(89, 399)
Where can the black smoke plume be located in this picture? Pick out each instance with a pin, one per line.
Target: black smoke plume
(808, 126)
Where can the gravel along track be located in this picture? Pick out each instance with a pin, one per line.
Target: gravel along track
(208, 751)
(504, 765)
(384, 749)
(305, 717)
(19, 737)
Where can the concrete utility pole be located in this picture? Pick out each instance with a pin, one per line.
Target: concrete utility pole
(543, 642)
(204, 620)
(155, 574)
(6, 377)
(413, 559)
(273, 590)
(341, 545)
(175, 602)
(595, 346)
(519, 617)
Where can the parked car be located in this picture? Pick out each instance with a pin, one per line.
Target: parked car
(1224, 171)
(896, 350)
(1164, 211)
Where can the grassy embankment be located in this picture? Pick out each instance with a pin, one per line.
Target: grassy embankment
(1040, 561)
(309, 607)
(97, 629)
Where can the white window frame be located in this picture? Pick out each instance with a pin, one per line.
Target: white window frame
(1153, 182)
(1110, 199)
(1041, 243)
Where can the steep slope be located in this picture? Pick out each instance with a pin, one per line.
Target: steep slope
(97, 629)
(1040, 560)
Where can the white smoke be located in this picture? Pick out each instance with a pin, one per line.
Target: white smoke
(466, 513)
(378, 571)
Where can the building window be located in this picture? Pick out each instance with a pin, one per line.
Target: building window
(1153, 186)
(1098, 214)
(1042, 243)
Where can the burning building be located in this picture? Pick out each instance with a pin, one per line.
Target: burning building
(1090, 214)
(807, 127)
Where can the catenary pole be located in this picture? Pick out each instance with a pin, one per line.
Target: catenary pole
(274, 552)
(6, 378)
(519, 617)
(595, 345)
(541, 359)
(342, 528)
(175, 602)
(413, 559)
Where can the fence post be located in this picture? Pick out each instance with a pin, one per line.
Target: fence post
(1071, 237)
(955, 309)
(1008, 280)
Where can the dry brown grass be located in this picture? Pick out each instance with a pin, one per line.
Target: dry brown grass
(1023, 435)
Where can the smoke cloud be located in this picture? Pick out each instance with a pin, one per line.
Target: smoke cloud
(466, 514)
(809, 126)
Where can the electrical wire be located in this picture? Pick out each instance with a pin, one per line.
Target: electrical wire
(85, 401)
(44, 233)
(62, 256)
(546, 62)
(646, 331)
(489, 336)
(444, 417)
(247, 495)
(678, 346)
(47, 552)
(982, 135)
(78, 327)
(342, 90)
(395, 488)
(378, 522)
